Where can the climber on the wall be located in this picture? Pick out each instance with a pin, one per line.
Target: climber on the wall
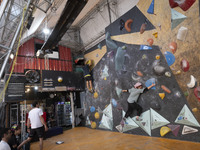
(86, 71)
(133, 98)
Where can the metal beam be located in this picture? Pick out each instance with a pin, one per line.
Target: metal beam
(3, 7)
(4, 47)
(13, 42)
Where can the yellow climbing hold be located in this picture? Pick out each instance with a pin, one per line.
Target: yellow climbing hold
(96, 115)
(155, 34)
(89, 62)
(164, 130)
(177, 72)
(195, 109)
(162, 95)
(96, 95)
(93, 125)
(105, 78)
(157, 57)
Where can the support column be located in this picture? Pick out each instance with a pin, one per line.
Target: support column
(72, 108)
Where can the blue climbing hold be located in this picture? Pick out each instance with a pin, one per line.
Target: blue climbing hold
(145, 47)
(170, 58)
(180, 118)
(151, 8)
(150, 82)
(114, 102)
(92, 108)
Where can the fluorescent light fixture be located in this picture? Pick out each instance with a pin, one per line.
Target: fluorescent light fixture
(46, 31)
(11, 56)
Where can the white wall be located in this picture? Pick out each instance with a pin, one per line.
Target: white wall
(99, 20)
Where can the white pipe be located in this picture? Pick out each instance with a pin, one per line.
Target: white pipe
(72, 107)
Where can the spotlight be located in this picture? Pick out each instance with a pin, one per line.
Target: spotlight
(46, 31)
(11, 56)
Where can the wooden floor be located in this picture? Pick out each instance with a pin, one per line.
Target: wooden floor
(82, 138)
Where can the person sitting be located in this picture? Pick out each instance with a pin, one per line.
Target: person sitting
(5, 135)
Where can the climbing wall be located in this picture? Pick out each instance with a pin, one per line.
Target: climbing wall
(129, 59)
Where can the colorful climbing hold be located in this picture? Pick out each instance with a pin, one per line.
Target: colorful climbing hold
(197, 92)
(165, 89)
(139, 73)
(185, 65)
(186, 93)
(164, 130)
(170, 58)
(173, 47)
(145, 47)
(124, 47)
(150, 41)
(96, 115)
(93, 125)
(96, 95)
(168, 74)
(128, 25)
(114, 102)
(92, 109)
(177, 72)
(151, 8)
(184, 5)
(155, 34)
(182, 33)
(159, 70)
(150, 82)
(157, 57)
(142, 28)
(105, 78)
(192, 82)
(162, 95)
(195, 109)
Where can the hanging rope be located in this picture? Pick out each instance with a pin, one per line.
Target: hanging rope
(15, 59)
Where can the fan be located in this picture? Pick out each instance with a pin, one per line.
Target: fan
(32, 76)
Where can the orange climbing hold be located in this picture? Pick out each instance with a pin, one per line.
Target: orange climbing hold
(139, 73)
(128, 25)
(165, 89)
(150, 41)
(173, 47)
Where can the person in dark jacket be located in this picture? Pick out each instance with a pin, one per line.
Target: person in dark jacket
(13, 142)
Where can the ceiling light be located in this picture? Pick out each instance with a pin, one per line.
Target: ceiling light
(11, 56)
(46, 31)
(36, 87)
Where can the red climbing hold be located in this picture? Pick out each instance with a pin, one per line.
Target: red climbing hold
(197, 92)
(183, 4)
(185, 65)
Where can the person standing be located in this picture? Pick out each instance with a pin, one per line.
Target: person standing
(38, 125)
(5, 134)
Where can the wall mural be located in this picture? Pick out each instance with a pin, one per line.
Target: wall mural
(165, 110)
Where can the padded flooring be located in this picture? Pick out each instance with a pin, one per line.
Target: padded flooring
(82, 138)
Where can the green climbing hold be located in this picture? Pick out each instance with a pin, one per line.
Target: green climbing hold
(186, 94)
